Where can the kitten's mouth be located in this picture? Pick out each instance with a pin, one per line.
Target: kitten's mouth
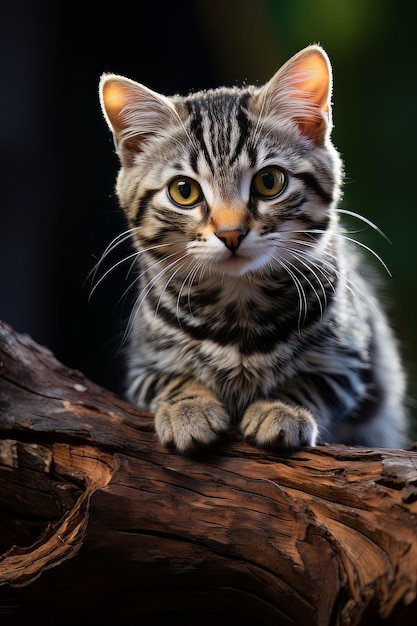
(237, 263)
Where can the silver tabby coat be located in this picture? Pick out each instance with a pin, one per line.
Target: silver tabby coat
(253, 307)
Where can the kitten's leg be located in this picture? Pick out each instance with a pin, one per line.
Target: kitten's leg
(275, 424)
(188, 416)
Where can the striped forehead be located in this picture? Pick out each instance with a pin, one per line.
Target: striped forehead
(220, 126)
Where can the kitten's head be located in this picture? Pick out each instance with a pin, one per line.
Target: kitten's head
(230, 180)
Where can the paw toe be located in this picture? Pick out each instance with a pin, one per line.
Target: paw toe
(278, 425)
(188, 427)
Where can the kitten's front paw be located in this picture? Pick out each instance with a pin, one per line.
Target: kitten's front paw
(279, 425)
(188, 424)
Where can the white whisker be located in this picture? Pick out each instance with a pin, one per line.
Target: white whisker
(309, 266)
(366, 221)
(328, 275)
(161, 295)
(146, 290)
(302, 299)
(342, 275)
(190, 279)
(362, 245)
(319, 231)
(118, 240)
(135, 255)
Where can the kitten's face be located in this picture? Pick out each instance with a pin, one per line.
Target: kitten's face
(228, 181)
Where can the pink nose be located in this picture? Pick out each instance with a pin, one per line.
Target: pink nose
(232, 238)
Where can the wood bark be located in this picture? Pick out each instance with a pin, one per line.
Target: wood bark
(98, 520)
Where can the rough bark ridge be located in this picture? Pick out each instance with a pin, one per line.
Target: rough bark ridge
(98, 520)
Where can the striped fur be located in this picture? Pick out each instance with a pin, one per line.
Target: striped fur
(251, 310)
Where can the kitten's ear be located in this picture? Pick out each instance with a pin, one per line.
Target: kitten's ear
(301, 90)
(134, 113)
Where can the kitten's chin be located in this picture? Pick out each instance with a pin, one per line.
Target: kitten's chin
(238, 265)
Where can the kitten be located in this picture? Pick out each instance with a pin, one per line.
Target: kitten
(252, 306)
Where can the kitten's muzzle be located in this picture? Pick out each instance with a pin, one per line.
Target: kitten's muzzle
(232, 238)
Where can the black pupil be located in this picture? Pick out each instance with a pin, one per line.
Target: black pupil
(185, 189)
(268, 180)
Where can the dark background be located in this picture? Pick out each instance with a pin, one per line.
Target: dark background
(58, 166)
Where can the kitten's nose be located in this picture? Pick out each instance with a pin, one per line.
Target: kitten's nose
(232, 238)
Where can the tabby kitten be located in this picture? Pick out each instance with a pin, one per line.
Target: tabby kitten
(252, 306)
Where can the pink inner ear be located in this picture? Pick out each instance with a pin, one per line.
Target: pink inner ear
(311, 80)
(115, 98)
(317, 81)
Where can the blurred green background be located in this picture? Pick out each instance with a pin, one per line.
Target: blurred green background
(58, 165)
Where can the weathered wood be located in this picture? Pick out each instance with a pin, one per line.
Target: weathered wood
(98, 520)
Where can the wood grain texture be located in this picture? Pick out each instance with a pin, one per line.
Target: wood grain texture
(98, 520)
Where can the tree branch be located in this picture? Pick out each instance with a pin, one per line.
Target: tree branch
(98, 519)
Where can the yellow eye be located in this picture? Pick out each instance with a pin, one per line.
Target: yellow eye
(185, 191)
(268, 182)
